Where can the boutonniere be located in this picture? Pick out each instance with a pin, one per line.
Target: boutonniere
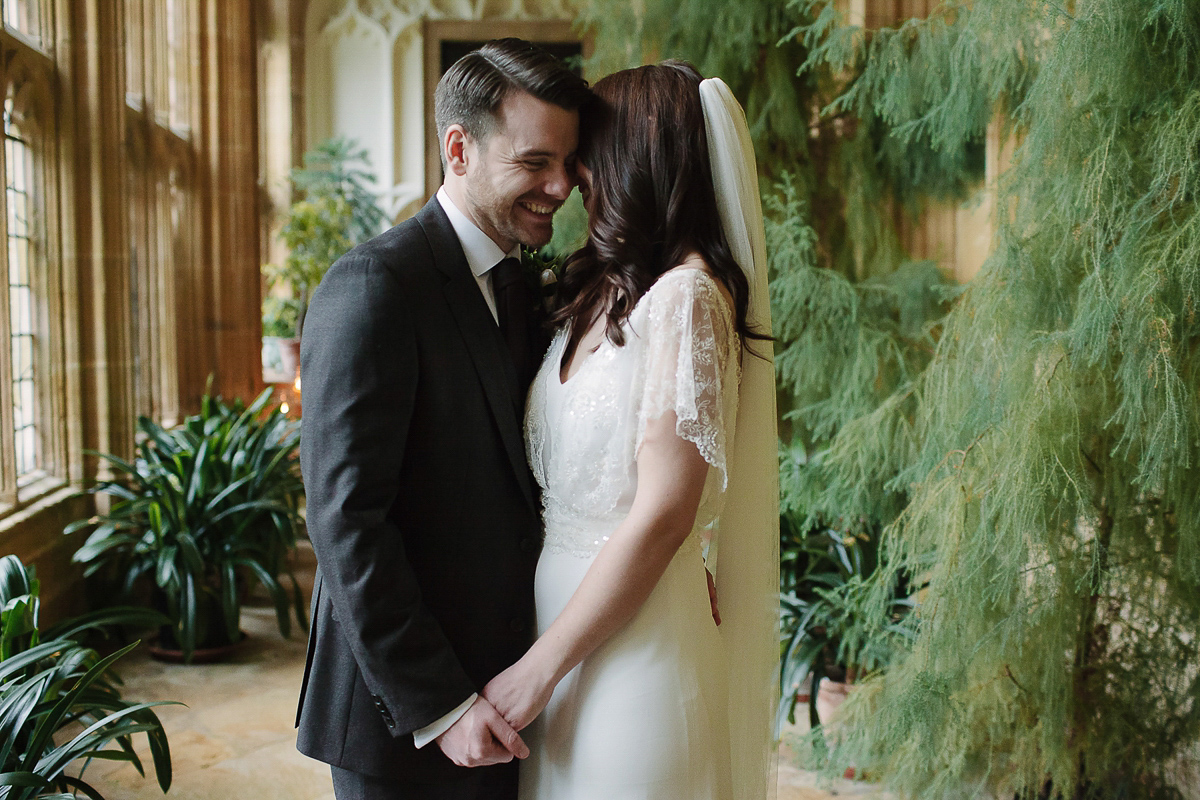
(543, 269)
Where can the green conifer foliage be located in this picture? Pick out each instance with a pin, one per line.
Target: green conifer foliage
(1054, 503)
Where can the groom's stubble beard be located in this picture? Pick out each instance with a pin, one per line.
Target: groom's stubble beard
(496, 214)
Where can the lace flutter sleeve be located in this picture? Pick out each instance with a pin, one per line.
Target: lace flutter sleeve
(689, 363)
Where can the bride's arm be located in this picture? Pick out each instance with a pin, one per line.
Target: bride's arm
(671, 474)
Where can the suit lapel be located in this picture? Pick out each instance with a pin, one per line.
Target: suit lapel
(484, 342)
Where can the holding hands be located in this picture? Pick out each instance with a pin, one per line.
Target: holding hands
(481, 737)
(521, 692)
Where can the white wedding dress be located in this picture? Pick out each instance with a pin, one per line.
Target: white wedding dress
(644, 717)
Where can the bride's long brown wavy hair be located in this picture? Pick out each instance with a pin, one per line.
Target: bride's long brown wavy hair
(652, 199)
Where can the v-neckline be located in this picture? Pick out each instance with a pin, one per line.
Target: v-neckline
(582, 364)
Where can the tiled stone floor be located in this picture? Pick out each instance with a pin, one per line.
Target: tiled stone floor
(234, 738)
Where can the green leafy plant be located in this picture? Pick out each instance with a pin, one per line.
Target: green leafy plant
(570, 229)
(336, 211)
(204, 508)
(340, 168)
(280, 316)
(316, 235)
(831, 623)
(54, 687)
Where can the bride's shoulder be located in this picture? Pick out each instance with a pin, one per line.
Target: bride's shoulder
(691, 282)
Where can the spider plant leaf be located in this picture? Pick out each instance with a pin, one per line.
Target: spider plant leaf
(20, 699)
(196, 481)
(156, 522)
(121, 464)
(23, 778)
(17, 620)
(249, 505)
(15, 579)
(156, 433)
(113, 755)
(230, 607)
(116, 490)
(278, 595)
(260, 402)
(168, 573)
(160, 749)
(92, 737)
(299, 604)
(77, 785)
(192, 560)
(19, 661)
(50, 722)
(278, 458)
(79, 525)
(132, 616)
(818, 672)
(91, 550)
(188, 611)
(233, 487)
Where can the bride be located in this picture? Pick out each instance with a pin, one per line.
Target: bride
(651, 431)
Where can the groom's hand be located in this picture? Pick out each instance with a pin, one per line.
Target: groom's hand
(481, 737)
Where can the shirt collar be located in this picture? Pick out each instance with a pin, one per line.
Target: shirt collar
(482, 253)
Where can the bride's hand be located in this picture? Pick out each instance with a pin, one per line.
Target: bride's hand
(520, 692)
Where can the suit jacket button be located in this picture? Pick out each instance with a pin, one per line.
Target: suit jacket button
(516, 625)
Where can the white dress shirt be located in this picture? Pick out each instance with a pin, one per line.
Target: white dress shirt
(482, 254)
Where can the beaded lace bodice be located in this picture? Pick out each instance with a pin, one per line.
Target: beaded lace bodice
(680, 354)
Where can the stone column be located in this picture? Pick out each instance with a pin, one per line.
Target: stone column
(94, 92)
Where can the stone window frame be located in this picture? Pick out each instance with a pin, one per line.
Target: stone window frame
(28, 80)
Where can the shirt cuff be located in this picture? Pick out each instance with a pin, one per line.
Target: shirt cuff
(423, 736)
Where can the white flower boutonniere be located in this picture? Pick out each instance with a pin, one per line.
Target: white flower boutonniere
(542, 270)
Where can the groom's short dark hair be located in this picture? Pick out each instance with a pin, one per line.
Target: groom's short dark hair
(471, 91)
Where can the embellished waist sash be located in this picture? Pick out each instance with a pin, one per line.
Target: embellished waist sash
(584, 536)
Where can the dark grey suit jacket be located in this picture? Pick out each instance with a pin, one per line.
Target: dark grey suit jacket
(420, 504)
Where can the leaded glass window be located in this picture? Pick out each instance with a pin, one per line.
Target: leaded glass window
(23, 339)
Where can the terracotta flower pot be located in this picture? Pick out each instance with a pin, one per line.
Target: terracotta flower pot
(201, 655)
(281, 359)
(830, 696)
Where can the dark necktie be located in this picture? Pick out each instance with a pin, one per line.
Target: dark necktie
(514, 308)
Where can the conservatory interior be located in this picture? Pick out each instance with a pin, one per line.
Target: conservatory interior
(983, 236)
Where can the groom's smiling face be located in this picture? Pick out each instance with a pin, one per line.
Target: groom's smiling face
(522, 172)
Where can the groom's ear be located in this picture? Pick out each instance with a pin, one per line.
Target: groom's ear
(455, 149)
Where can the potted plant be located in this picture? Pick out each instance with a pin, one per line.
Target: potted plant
(280, 344)
(59, 701)
(337, 210)
(834, 627)
(203, 510)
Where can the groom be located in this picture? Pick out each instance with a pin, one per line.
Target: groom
(418, 348)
